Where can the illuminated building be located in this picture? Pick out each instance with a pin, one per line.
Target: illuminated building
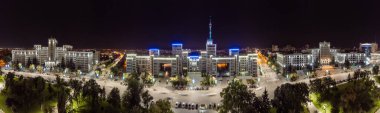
(233, 52)
(182, 61)
(51, 56)
(210, 46)
(297, 60)
(154, 52)
(352, 57)
(177, 49)
(324, 53)
(368, 48)
(375, 58)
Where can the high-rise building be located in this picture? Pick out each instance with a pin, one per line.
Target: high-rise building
(233, 52)
(177, 49)
(204, 61)
(210, 46)
(324, 53)
(52, 47)
(368, 48)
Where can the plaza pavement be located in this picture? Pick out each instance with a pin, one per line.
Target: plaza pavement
(161, 90)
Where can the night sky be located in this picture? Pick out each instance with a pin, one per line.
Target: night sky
(129, 24)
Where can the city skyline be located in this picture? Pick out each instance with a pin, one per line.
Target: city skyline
(120, 24)
(189, 56)
(236, 46)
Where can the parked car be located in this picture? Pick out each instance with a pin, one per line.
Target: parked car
(202, 109)
(177, 105)
(183, 105)
(192, 106)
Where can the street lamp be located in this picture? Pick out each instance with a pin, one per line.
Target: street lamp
(258, 81)
(193, 81)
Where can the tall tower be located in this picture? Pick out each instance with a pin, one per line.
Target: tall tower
(210, 46)
(52, 47)
(209, 40)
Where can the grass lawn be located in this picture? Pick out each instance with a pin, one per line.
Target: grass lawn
(376, 107)
(272, 110)
(35, 109)
(4, 107)
(78, 106)
(377, 79)
(319, 105)
(305, 109)
(2, 78)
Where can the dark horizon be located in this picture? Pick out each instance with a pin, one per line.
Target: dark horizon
(133, 24)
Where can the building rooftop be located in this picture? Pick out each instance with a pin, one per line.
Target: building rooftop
(294, 52)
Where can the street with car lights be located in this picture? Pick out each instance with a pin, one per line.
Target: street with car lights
(163, 90)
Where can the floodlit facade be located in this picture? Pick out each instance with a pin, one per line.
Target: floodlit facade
(324, 53)
(368, 47)
(52, 55)
(295, 59)
(154, 52)
(233, 52)
(375, 58)
(352, 57)
(178, 65)
(177, 49)
(182, 61)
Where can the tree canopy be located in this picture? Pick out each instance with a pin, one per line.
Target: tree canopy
(290, 98)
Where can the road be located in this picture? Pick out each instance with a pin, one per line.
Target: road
(107, 70)
(162, 90)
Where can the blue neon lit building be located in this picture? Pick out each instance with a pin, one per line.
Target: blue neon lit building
(177, 49)
(154, 52)
(234, 51)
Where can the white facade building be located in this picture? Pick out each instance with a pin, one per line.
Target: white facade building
(177, 49)
(154, 52)
(52, 55)
(294, 59)
(375, 58)
(352, 57)
(368, 47)
(325, 55)
(182, 61)
(214, 65)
